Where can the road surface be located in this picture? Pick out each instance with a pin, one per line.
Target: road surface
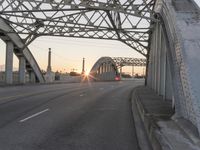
(77, 116)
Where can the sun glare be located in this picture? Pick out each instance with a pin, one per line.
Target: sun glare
(87, 73)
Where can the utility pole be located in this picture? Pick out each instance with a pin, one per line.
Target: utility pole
(83, 66)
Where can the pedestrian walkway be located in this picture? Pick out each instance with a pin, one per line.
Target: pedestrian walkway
(164, 131)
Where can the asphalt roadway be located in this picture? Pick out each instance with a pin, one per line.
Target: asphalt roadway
(75, 116)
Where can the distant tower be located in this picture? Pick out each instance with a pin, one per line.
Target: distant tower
(49, 61)
(83, 66)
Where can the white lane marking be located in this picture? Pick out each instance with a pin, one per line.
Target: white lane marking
(34, 115)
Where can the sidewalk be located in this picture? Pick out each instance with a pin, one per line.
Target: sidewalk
(163, 132)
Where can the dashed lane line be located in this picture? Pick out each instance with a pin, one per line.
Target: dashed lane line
(34, 115)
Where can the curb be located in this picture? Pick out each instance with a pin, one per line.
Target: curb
(142, 136)
(157, 130)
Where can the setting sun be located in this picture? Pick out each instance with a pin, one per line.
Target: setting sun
(87, 73)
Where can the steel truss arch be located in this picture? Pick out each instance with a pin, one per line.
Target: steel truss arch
(127, 61)
(127, 21)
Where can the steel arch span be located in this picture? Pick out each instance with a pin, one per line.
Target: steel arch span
(123, 20)
(104, 69)
(127, 61)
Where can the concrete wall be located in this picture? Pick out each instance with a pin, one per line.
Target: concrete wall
(15, 77)
(174, 57)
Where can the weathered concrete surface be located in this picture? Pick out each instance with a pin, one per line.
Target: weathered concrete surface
(19, 44)
(104, 69)
(163, 132)
(9, 63)
(181, 27)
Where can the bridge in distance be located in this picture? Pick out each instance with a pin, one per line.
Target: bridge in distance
(165, 32)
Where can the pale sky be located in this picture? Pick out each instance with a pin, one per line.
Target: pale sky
(67, 53)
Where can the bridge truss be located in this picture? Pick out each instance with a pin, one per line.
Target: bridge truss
(126, 61)
(129, 21)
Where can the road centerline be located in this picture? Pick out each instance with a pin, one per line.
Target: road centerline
(34, 115)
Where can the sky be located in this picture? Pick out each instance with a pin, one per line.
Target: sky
(67, 53)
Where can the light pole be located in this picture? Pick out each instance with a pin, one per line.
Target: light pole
(83, 66)
(132, 71)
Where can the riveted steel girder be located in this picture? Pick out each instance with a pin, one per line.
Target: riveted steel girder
(126, 61)
(128, 21)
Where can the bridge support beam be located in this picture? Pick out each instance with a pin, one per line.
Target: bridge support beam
(9, 63)
(174, 58)
(120, 71)
(32, 78)
(22, 70)
(104, 69)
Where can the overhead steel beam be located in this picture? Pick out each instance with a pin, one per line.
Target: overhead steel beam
(126, 61)
(124, 20)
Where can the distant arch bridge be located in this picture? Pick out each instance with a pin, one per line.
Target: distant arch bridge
(107, 68)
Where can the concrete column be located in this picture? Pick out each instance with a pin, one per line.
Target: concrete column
(32, 77)
(121, 72)
(153, 60)
(104, 67)
(22, 70)
(9, 63)
(163, 66)
(168, 85)
(150, 67)
(99, 70)
(107, 71)
(49, 61)
(158, 58)
(83, 66)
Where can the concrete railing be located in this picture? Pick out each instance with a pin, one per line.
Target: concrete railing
(180, 25)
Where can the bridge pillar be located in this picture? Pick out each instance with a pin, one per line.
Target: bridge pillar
(120, 71)
(22, 70)
(163, 65)
(32, 77)
(159, 72)
(110, 71)
(100, 70)
(107, 72)
(9, 63)
(104, 67)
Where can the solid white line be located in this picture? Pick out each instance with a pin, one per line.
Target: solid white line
(34, 115)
